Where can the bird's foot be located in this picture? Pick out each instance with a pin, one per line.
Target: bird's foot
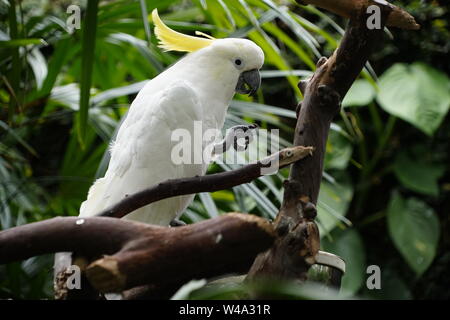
(245, 133)
(234, 137)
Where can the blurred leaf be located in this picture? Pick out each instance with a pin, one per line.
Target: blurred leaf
(333, 202)
(22, 142)
(414, 229)
(258, 107)
(392, 287)
(293, 45)
(184, 292)
(227, 12)
(140, 45)
(38, 65)
(338, 151)
(64, 50)
(16, 64)
(416, 93)
(68, 95)
(87, 62)
(295, 27)
(360, 94)
(417, 175)
(279, 73)
(209, 204)
(118, 92)
(144, 13)
(233, 288)
(21, 42)
(348, 245)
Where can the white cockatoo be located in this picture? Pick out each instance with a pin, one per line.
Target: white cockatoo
(198, 88)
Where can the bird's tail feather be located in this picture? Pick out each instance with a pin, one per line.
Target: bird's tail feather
(95, 201)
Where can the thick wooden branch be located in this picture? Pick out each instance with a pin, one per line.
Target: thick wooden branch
(398, 18)
(298, 239)
(141, 254)
(135, 245)
(176, 255)
(208, 183)
(91, 236)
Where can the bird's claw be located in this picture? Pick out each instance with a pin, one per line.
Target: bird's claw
(233, 135)
(245, 132)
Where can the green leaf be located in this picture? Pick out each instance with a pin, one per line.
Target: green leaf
(262, 108)
(333, 202)
(295, 27)
(416, 93)
(38, 64)
(414, 229)
(392, 286)
(293, 45)
(118, 92)
(209, 204)
(186, 289)
(360, 94)
(16, 65)
(22, 142)
(286, 73)
(87, 63)
(140, 45)
(338, 152)
(144, 13)
(417, 175)
(20, 42)
(348, 245)
(65, 49)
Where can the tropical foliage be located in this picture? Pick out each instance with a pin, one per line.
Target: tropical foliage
(383, 198)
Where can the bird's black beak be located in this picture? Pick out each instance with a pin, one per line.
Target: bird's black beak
(248, 82)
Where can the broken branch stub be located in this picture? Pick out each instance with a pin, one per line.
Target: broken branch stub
(173, 256)
(398, 18)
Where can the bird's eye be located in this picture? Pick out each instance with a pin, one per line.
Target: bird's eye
(238, 62)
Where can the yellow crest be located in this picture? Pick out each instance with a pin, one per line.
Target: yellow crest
(171, 40)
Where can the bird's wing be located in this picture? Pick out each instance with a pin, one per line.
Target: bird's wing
(141, 154)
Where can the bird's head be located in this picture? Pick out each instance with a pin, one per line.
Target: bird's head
(239, 59)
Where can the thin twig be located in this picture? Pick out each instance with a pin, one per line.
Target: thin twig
(208, 183)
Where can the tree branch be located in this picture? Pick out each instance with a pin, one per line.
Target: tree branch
(66, 234)
(398, 18)
(141, 253)
(298, 240)
(208, 183)
(137, 248)
(213, 247)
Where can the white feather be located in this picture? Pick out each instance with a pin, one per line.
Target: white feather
(197, 88)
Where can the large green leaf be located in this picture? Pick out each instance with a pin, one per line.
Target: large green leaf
(338, 152)
(39, 66)
(360, 94)
(144, 13)
(348, 245)
(20, 42)
(392, 286)
(87, 63)
(16, 64)
(65, 50)
(417, 175)
(416, 93)
(333, 202)
(414, 229)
